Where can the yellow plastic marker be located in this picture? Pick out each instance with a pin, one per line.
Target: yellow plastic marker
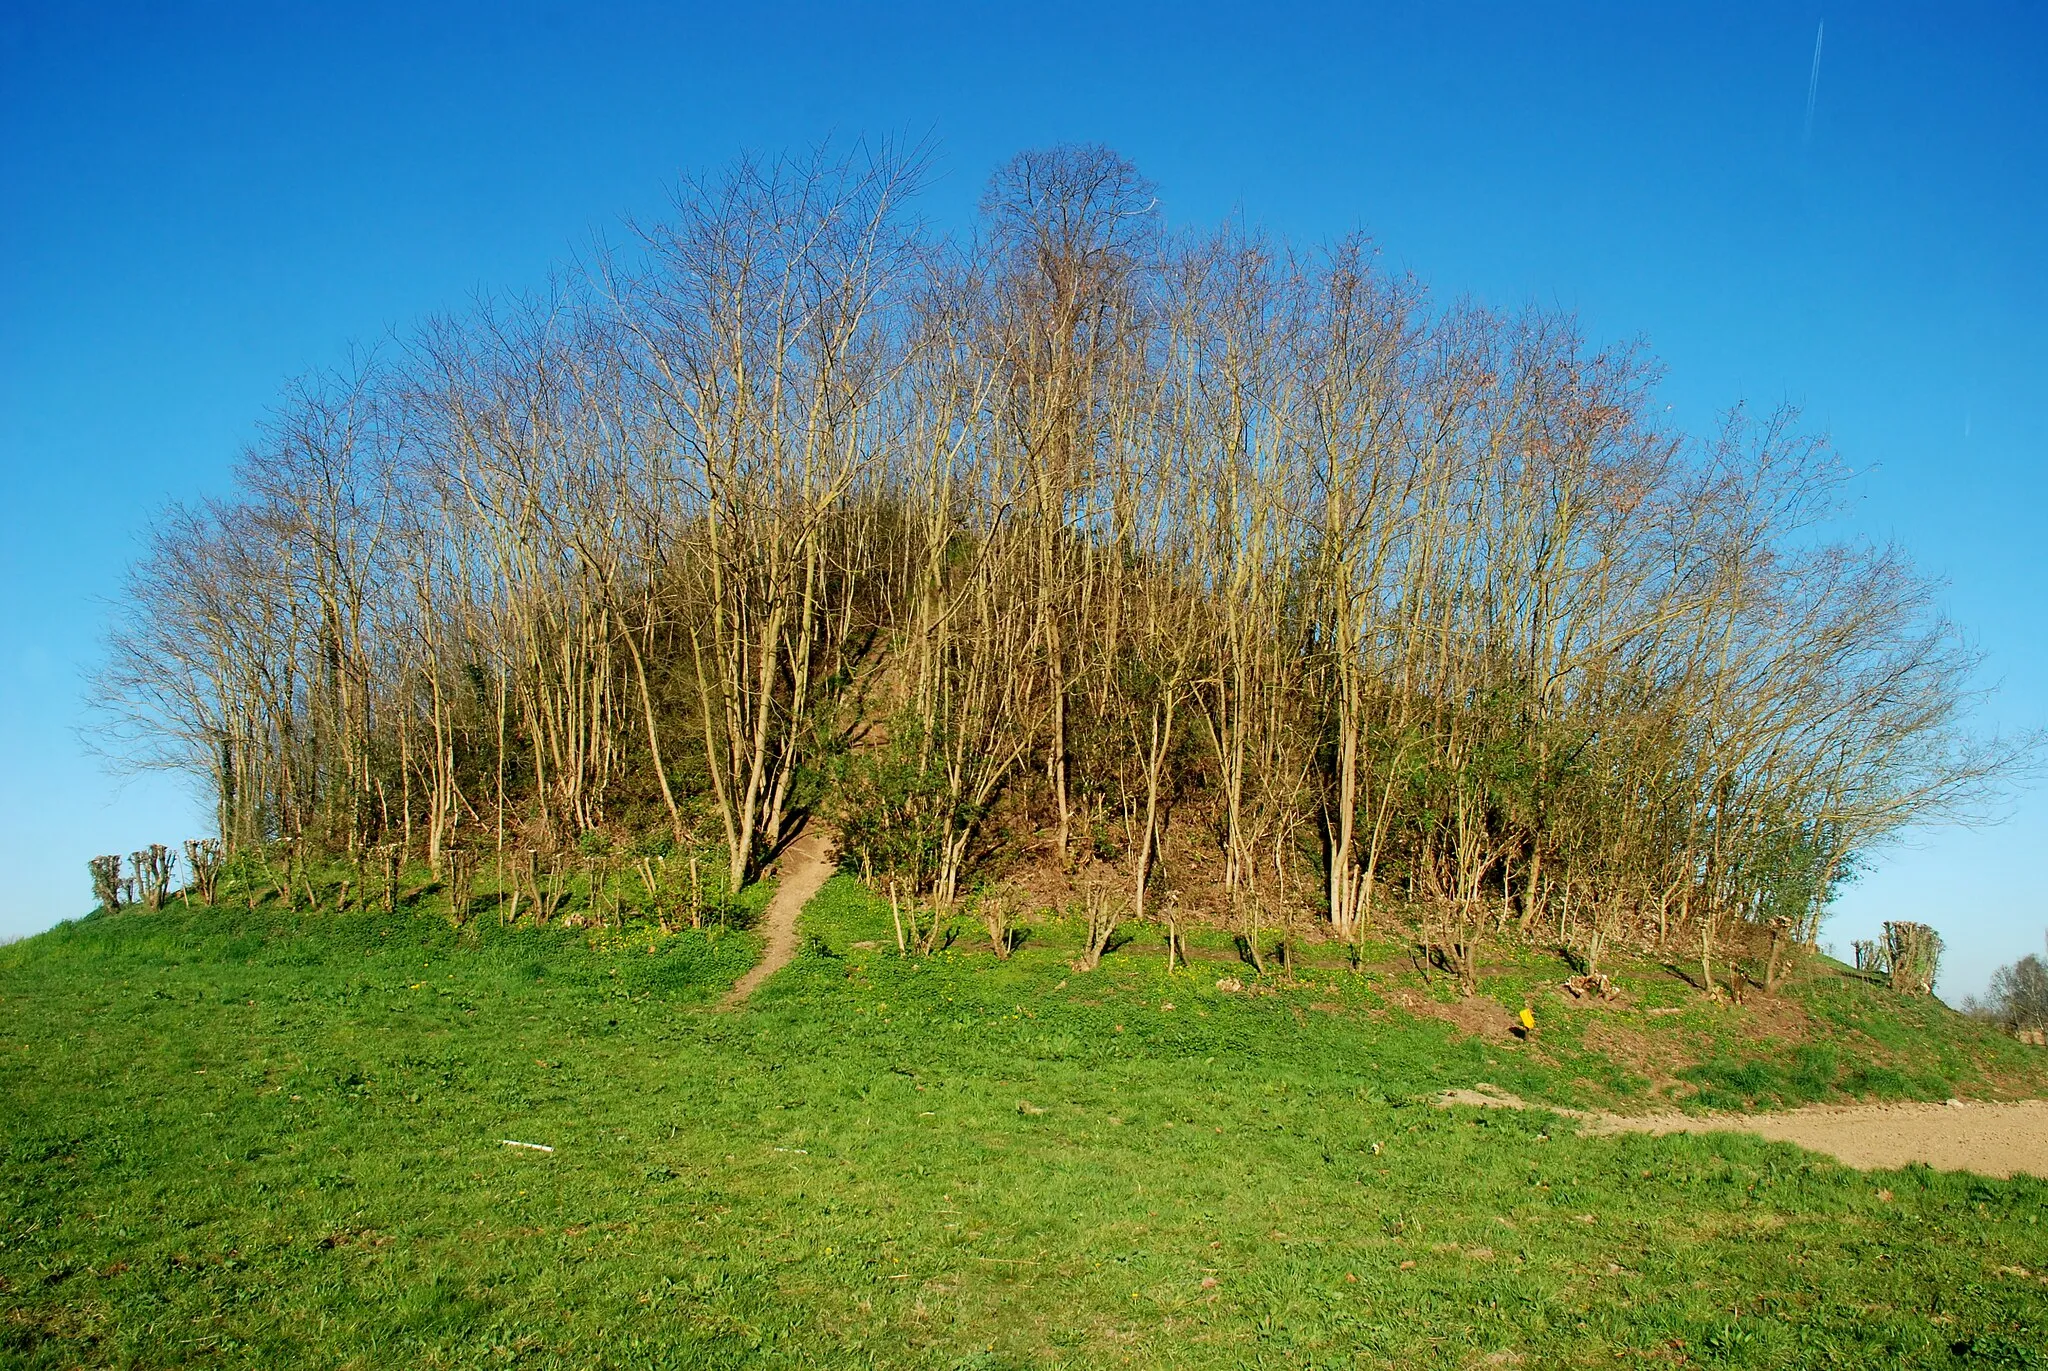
(1528, 1021)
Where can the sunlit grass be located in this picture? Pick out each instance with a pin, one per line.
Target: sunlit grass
(266, 1139)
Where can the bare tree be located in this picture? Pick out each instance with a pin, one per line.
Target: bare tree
(1078, 540)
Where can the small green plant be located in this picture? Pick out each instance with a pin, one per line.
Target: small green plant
(898, 816)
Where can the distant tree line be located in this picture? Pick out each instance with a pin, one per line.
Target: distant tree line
(1178, 557)
(2017, 998)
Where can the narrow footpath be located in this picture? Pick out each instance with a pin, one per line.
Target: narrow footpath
(805, 866)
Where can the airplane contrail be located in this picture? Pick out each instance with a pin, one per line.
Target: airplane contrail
(1813, 80)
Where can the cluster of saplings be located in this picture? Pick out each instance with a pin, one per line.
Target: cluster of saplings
(1198, 570)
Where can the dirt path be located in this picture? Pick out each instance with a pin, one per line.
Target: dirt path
(805, 865)
(1990, 1139)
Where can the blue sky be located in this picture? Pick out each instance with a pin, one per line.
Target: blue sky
(202, 200)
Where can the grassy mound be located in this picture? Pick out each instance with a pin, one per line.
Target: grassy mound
(270, 1139)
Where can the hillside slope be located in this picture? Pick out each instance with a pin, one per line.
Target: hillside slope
(268, 1139)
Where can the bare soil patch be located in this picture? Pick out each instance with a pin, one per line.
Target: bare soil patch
(1987, 1138)
(1990, 1139)
(1477, 1016)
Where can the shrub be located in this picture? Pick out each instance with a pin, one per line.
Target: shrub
(897, 814)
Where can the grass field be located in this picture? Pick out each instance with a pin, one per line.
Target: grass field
(274, 1139)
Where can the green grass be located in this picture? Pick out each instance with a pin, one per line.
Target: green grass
(259, 1139)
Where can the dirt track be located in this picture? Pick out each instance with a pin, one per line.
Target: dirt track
(1987, 1139)
(806, 865)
